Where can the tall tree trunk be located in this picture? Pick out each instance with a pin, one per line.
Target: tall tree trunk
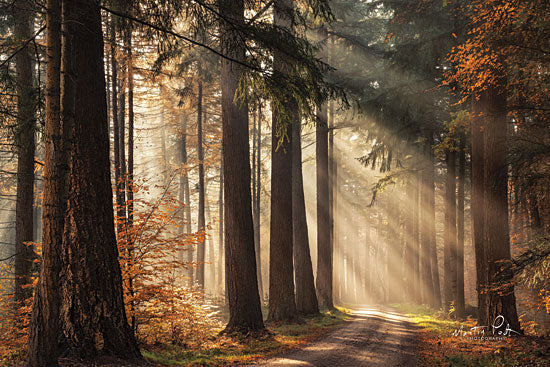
(478, 204)
(185, 197)
(201, 222)
(416, 238)
(116, 127)
(324, 242)
(450, 230)
(393, 258)
(256, 184)
(24, 224)
(430, 186)
(221, 285)
(460, 304)
(242, 284)
(306, 299)
(408, 237)
(257, 230)
(502, 301)
(93, 314)
(44, 329)
(425, 235)
(282, 304)
(130, 175)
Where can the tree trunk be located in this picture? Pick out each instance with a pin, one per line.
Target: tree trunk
(425, 235)
(450, 231)
(409, 247)
(185, 198)
(257, 231)
(24, 224)
(416, 239)
(221, 285)
(256, 185)
(502, 301)
(430, 186)
(201, 222)
(282, 304)
(460, 306)
(129, 179)
(393, 258)
(93, 314)
(478, 204)
(306, 299)
(116, 127)
(44, 329)
(242, 284)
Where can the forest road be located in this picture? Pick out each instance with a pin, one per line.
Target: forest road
(373, 336)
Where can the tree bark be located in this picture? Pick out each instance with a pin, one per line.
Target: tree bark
(242, 284)
(116, 127)
(416, 239)
(44, 329)
(408, 237)
(256, 203)
(25, 141)
(306, 299)
(221, 285)
(324, 242)
(201, 221)
(426, 244)
(393, 258)
(502, 301)
(185, 198)
(450, 231)
(130, 174)
(460, 304)
(282, 304)
(430, 186)
(92, 313)
(478, 204)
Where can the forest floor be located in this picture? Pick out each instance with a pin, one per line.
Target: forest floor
(446, 342)
(232, 351)
(373, 336)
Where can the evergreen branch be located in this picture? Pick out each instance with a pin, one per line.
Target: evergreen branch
(177, 35)
(22, 47)
(260, 12)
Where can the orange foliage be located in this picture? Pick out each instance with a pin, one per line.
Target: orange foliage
(159, 307)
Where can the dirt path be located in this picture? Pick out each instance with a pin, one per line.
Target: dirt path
(374, 336)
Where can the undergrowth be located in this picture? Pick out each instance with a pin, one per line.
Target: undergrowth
(441, 343)
(225, 351)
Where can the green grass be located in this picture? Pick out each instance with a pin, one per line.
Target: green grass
(227, 351)
(428, 318)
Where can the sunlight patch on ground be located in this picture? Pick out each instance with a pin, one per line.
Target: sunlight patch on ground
(379, 313)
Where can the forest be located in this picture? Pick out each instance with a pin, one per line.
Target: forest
(274, 183)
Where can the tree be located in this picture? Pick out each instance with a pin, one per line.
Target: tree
(324, 242)
(282, 304)
(43, 349)
(460, 303)
(501, 298)
(450, 277)
(242, 285)
(24, 250)
(306, 299)
(201, 221)
(426, 282)
(92, 303)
